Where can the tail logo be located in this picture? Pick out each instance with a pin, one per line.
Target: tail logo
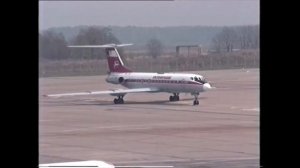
(116, 64)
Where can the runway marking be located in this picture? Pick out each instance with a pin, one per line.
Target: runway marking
(228, 159)
(134, 127)
(252, 109)
(69, 166)
(186, 110)
(143, 166)
(188, 160)
(48, 120)
(124, 127)
(144, 126)
(235, 107)
(153, 161)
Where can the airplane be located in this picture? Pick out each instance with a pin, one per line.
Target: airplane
(138, 82)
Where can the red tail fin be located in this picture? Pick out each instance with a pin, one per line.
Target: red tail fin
(114, 61)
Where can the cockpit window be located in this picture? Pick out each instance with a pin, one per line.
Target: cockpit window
(203, 80)
(200, 79)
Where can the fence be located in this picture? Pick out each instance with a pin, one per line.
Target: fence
(165, 63)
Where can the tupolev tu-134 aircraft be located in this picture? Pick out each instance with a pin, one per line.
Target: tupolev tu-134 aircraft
(137, 82)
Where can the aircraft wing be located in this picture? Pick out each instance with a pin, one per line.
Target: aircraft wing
(110, 92)
(82, 164)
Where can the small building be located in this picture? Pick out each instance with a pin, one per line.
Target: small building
(199, 49)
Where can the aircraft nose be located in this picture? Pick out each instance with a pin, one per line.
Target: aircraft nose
(206, 86)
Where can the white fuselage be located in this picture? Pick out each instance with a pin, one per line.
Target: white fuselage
(162, 82)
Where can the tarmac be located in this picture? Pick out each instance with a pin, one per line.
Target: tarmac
(148, 130)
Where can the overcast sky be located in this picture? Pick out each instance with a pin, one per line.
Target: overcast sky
(148, 13)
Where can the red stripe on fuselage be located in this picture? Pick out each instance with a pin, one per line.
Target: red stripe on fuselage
(162, 81)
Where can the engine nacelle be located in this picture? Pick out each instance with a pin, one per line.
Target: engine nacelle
(121, 79)
(115, 79)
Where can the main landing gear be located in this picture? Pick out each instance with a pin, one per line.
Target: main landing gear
(119, 100)
(196, 102)
(175, 97)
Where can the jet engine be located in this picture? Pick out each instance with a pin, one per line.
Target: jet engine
(115, 79)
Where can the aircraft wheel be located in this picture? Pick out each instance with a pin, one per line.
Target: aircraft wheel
(177, 98)
(119, 100)
(196, 102)
(171, 98)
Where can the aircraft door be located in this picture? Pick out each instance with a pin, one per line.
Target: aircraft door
(182, 84)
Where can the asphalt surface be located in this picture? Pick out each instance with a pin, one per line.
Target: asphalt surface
(148, 130)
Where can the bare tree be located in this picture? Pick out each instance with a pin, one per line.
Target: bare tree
(256, 37)
(217, 43)
(225, 40)
(228, 35)
(52, 46)
(248, 37)
(92, 36)
(155, 47)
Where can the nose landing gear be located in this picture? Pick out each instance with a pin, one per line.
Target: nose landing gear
(196, 102)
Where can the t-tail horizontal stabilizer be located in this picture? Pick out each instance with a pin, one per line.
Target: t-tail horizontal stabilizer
(100, 46)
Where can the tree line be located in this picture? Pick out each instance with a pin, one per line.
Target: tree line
(230, 38)
(139, 36)
(53, 44)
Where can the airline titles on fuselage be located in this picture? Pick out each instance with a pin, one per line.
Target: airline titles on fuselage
(161, 77)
